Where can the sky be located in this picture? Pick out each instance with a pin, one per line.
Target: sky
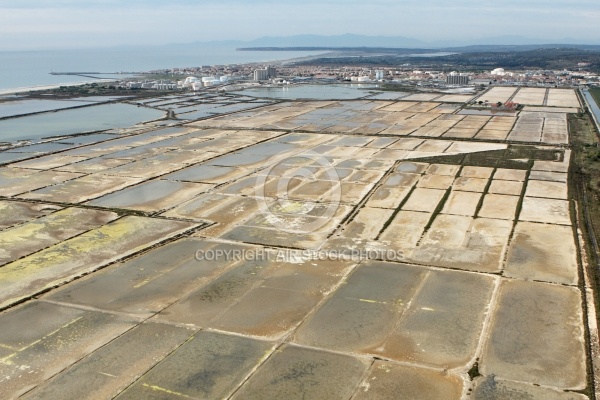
(48, 24)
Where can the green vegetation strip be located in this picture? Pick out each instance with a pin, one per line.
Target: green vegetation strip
(483, 195)
(507, 158)
(396, 212)
(436, 212)
(595, 92)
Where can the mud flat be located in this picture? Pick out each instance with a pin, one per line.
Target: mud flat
(499, 206)
(48, 230)
(386, 380)
(530, 96)
(455, 98)
(498, 94)
(544, 253)
(546, 189)
(13, 212)
(470, 184)
(152, 196)
(462, 203)
(424, 200)
(513, 188)
(84, 253)
(563, 98)
(63, 335)
(14, 181)
(493, 388)
(81, 189)
(367, 224)
(550, 211)
(531, 319)
(477, 248)
(406, 229)
(393, 321)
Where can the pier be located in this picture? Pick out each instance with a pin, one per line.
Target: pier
(91, 74)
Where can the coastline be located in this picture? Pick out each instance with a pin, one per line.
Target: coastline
(4, 92)
(29, 71)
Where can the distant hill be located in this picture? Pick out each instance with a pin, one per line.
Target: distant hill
(520, 48)
(347, 40)
(498, 43)
(540, 58)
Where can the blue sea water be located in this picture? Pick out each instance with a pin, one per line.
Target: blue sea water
(20, 69)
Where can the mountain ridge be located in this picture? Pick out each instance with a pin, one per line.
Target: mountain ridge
(355, 40)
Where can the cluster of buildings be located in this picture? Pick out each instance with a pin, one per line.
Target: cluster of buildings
(423, 77)
(191, 82)
(222, 75)
(161, 84)
(194, 83)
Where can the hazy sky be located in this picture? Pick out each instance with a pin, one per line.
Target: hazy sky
(30, 24)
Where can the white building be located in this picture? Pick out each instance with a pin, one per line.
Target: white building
(261, 74)
(189, 81)
(264, 74)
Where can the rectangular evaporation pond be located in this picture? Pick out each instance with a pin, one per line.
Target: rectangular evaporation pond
(208, 366)
(99, 99)
(185, 109)
(487, 113)
(166, 102)
(319, 92)
(49, 147)
(127, 358)
(269, 149)
(6, 157)
(389, 96)
(153, 281)
(205, 173)
(195, 115)
(14, 212)
(536, 336)
(234, 108)
(198, 107)
(87, 139)
(46, 231)
(167, 132)
(85, 253)
(151, 196)
(238, 160)
(66, 122)
(60, 337)
(21, 107)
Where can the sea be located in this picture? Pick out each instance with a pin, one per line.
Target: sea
(23, 69)
(31, 69)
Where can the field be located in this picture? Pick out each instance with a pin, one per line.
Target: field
(596, 94)
(331, 249)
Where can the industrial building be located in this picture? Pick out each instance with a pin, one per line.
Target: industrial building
(263, 74)
(457, 79)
